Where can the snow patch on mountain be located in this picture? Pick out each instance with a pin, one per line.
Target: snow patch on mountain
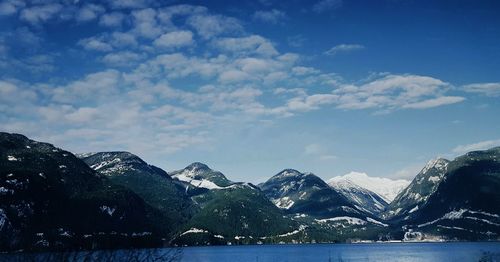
(283, 203)
(362, 198)
(349, 220)
(371, 220)
(463, 214)
(438, 163)
(387, 188)
(189, 177)
(12, 158)
(194, 231)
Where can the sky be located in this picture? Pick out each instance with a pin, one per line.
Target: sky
(254, 87)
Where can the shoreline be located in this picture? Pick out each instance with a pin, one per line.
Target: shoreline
(354, 243)
(21, 252)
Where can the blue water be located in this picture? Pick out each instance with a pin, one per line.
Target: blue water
(456, 251)
(348, 252)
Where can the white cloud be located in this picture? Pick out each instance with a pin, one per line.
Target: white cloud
(95, 44)
(8, 90)
(83, 115)
(253, 44)
(166, 14)
(120, 39)
(10, 7)
(145, 23)
(40, 13)
(483, 145)
(113, 19)
(209, 26)
(302, 70)
(488, 89)
(385, 94)
(16, 98)
(124, 58)
(119, 4)
(94, 87)
(316, 150)
(396, 91)
(435, 102)
(343, 48)
(296, 91)
(325, 5)
(89, 12)
(233, 76)
(273, 16)
(311, 102)
(175, 39)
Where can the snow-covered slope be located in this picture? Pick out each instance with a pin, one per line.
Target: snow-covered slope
(201, 176)
(421, 188)
(306, 193)
(362, 198)
(387, 188)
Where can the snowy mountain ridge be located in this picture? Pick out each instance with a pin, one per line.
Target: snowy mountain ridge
(387, 188)
(362, 198)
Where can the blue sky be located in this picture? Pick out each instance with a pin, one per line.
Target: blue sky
(253, 87)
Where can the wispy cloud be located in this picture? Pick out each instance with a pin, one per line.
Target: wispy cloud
(175, 39)
(296, 41)
(253, 44)
(483, 145)
(488, 89)
(10, 7)
(396, 91)
(112, 19)
(38, 14)
(343, 48)
(209, 26)
(273, 16)
(89, 12)
(122, 58)
(435, 102)
(326, 5)
(95, 44)
(319, 152)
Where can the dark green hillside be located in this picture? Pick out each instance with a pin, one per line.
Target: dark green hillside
(52, 200)
(237, 211)
(295, 192)
(151, 183)
(466, 204)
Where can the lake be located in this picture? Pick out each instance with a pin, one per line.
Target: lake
(454, 251)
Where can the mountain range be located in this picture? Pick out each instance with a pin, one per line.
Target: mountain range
(51, 199)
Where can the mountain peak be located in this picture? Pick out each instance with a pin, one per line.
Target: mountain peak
(437, 163)
(197, 166)
(363, 198)
(115, 162)
(289, 173)
(387, 188)
(200, 175)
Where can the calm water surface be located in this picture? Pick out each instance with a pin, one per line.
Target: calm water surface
(459, 251)
(349, 252)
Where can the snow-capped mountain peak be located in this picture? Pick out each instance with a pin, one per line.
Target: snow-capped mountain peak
(439, 163)
(362, 198)
(200, 175)
(387, 188)
(288, 173)
(197, 166)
